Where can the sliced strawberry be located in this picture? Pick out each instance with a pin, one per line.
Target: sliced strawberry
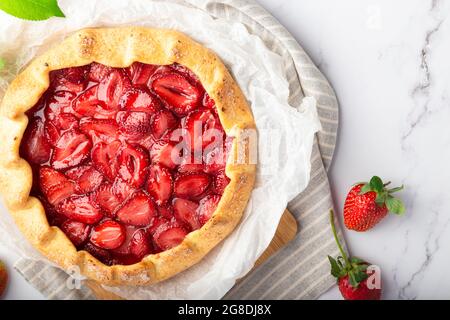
(190, 168)
(133, 165)
(206, 208)
(169, 237)
(99, 72)
(162, 122)
(208, 102)
(215, 160)
(66, 121)
(124, 248)
(139, 210)
(191, 186)
(107, 199)
(205, 130)
(179, 94)
(166, 211)
(158, 224)
(220, 181)
(187, 73)
(71, 149)
(185, 212)
(140, 73)
(104, 158)
(35, 147)
(88, 104)
(52, 133)
(146, 142)
(53, 217)
(159, 184)
(99, 253)
(139, 99)
(54, 129)
(69, 79)
(123, 189)
(76, 74)
(55, 185)
(166, 154)
(76, 231)
(191, 164)
(134, 124)
(112, 87)
(58, 103)
(140, 245)
(87, 177)
(81, 208)
(100, 129)
(108, 235)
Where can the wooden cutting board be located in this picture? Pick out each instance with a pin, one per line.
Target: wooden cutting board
(286, 231)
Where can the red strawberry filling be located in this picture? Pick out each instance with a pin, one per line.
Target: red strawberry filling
(112, 151)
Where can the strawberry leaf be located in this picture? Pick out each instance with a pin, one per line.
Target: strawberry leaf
(32, 9)
(396, 189)
(352, 279)
(360, 275)
(356, 260)
(395, 205)
(335, 270)
(365, 188)
(376, 184)
(361, 267)
(380, 199)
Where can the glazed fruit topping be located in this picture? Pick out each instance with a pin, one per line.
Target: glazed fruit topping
(70, 150)
(179, 94)
(55, 186)
(81, 208)
(38, 148)
(127, 162)
(192, 185)
(137, 211)
(108, 235)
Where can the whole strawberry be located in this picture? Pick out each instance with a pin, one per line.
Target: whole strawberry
(351, 274)
(3, 278)
(368, 203)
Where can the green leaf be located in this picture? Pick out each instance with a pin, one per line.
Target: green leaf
(360, 276)
(381, 199)
(335, 270)
(365, 188)
(32, 9)
(2, 64)
(352, 279)
(356, 260)
(361, 267)
(377, 184)
(341, 262)
(395, 205)
(396, 189)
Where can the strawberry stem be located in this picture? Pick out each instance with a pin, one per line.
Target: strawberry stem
(333, 228)
(386, 184)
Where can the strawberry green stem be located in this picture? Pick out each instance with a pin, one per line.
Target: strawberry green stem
(333, 228)
(386, 184)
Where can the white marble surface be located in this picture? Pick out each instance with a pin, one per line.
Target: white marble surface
(388, 62)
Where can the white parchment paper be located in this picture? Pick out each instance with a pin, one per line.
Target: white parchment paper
(285, 132)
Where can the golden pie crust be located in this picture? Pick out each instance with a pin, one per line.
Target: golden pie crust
(120, 47)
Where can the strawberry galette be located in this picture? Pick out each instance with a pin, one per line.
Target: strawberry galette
(125, 153)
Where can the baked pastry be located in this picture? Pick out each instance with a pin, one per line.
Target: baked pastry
(124, 152)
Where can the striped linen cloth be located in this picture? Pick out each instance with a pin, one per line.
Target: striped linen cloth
(300, 270)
